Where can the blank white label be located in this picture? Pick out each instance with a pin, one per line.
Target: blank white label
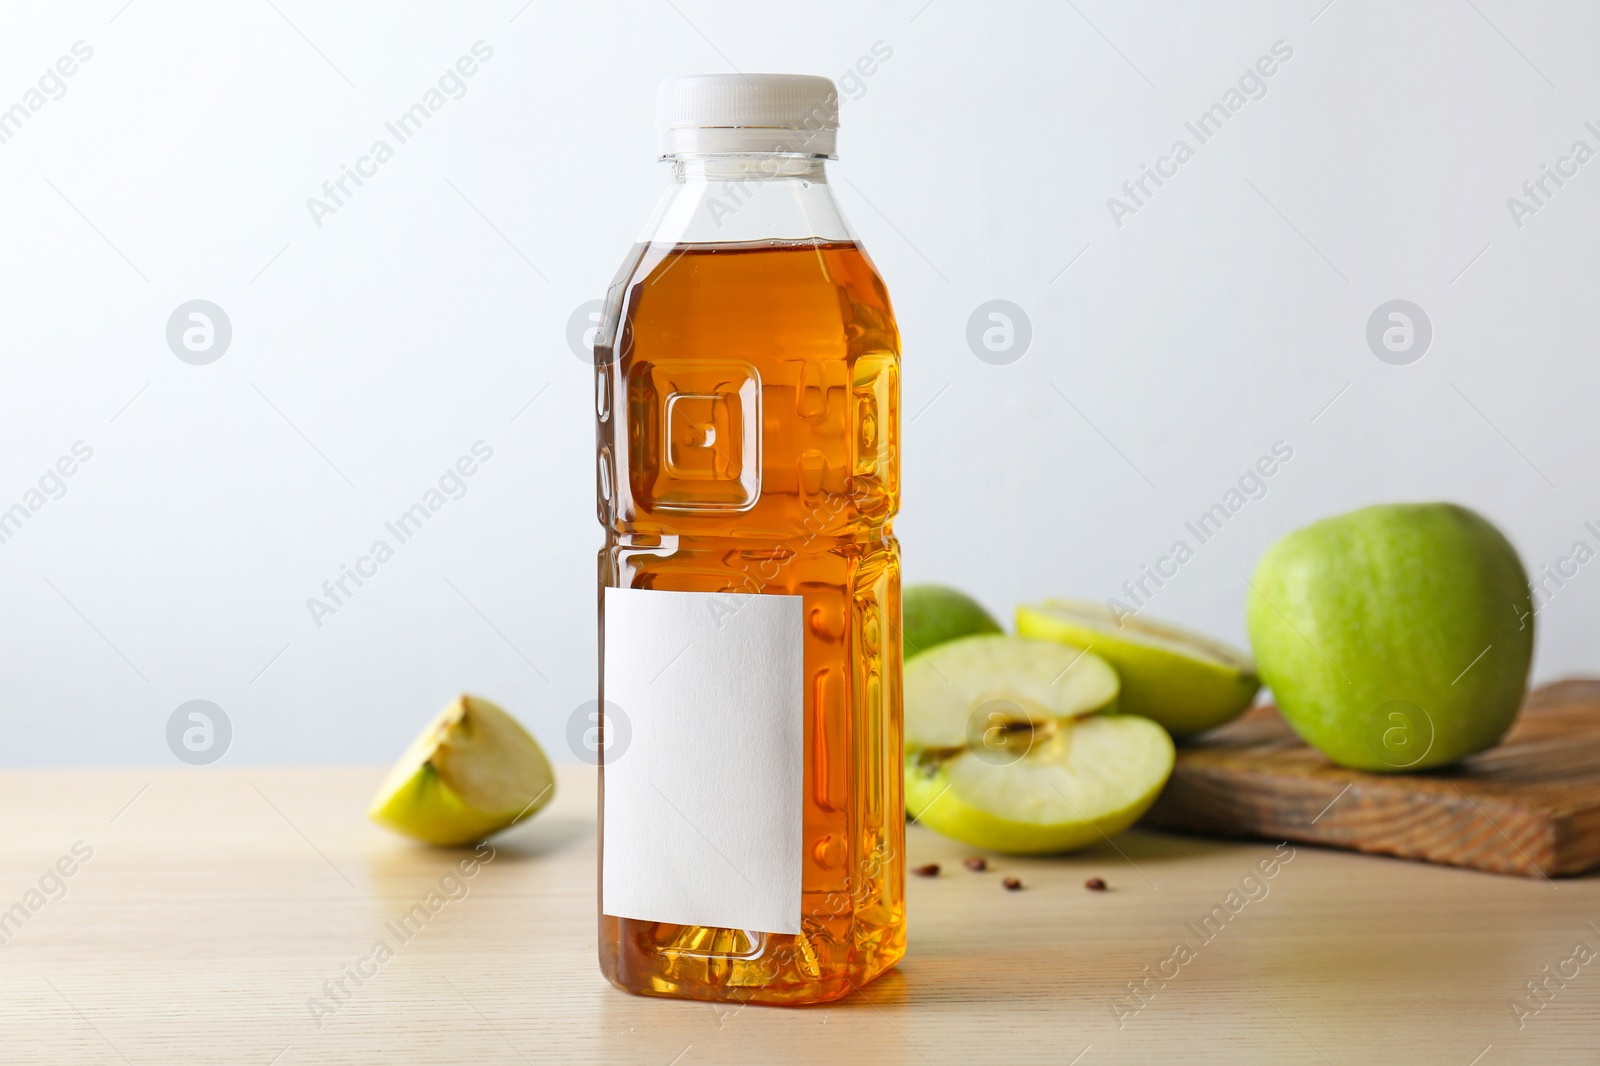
(703, 809)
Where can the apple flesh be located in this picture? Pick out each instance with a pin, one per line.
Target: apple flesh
(1396, 637)
(1086, 780)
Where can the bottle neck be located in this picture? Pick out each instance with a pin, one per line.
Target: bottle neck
(748, 166)
(732, 197)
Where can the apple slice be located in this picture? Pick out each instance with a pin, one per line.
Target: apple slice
(1186, 682)
(945, 688)
(1010, 746)
(472, 772)
(1088, 779)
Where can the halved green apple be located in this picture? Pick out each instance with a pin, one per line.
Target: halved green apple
(1185, 681)
(472, 772)
(1012, 745)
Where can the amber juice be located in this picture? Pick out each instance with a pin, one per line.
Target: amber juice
(748, 404)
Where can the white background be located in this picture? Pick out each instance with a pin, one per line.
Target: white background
(369, 353)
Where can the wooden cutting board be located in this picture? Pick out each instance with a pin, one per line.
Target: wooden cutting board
(1529, 806)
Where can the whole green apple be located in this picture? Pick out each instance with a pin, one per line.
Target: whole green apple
(1396, 637)
(936, 614)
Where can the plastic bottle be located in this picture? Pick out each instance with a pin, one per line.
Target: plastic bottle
(748, 406)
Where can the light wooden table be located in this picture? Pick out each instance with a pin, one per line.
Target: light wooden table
(217, 902)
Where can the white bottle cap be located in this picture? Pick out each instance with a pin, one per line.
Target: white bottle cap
(726, 113)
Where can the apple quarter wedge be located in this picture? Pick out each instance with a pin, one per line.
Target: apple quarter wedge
(472, 772)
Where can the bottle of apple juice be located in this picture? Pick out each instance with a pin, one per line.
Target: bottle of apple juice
(747, 405)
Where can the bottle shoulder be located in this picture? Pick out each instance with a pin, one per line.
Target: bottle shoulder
(749, 386)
